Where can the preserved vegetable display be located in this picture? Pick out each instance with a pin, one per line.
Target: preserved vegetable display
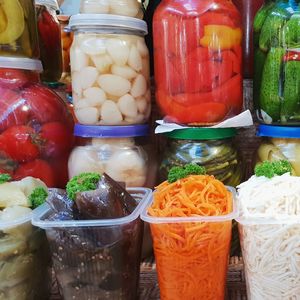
(110, 70)
(18, 34)
(198, 60)
(36, 128)
(276, 82)
(130, 8)
(49, 39)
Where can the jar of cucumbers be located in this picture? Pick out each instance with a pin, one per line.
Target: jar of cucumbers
(18, 34)
(212, 148)
(279, 143)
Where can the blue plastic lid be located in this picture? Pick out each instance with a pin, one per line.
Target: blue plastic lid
(111, 131)
(278, 131)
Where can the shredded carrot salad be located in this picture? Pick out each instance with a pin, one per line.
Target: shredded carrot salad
(192, 257)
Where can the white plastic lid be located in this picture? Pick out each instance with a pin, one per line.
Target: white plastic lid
(108, 21)
(48, 3)
(21, 63)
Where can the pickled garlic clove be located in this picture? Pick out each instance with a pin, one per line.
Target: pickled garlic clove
(93, 46)
(88, 77)
(118, 50)
(148, 95)
(139, 86)
(128, 8)
(102, 62)
(78, 58)
(95, 96)
(140, 118)
(100, 7)
(142, 48)
(87, 115)
(127, 166)
(142, 105)
(125, 72)
(146, 68)
(110, 113)
(115, 142)
(135, 59)
(128, 106)
(76, 83)
(114, 84)
(82, 103)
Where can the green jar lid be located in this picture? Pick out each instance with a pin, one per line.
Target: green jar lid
(202, 133)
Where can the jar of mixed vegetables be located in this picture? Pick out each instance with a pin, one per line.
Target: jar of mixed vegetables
(18, 34)
(212, 148)
(110, 70)
(49, 39)
(279, 143)
(277, 67)
(122, 152)
(36, 128)
(130, 8)
(197, 60)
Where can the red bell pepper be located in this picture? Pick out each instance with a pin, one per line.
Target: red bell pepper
(291, 56)
(216, 18)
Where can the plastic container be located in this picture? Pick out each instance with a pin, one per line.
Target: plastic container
(18, 34)
(248, 9)
(279, 143)
(122, 152)
(198, 60)
(129, 8)
(110, 70)
(181, 274)
(25, 260)
(49, 39)
(97, 259)
(212, 148)
(36, 128)
(276, 91)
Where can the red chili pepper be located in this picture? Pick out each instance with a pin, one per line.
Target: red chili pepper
(291, 56)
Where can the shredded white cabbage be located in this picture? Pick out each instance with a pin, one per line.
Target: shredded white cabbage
(271, 251)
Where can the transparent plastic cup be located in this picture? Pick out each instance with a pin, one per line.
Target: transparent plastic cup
(97, 259)
(25, 271)
(191, 254)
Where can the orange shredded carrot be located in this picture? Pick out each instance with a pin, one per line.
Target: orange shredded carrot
(192, 258)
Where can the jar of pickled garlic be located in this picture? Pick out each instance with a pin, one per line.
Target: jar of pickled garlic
(129, 8)
(213, 149)
(110, 70)
(18, 34)
(36, 128)
(49, 39)
(279, 143)
(122, 152)
(198, 60)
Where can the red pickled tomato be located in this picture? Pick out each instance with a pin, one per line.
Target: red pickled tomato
(13, 78)
(57, 138)
(39, 169)
(13, 109)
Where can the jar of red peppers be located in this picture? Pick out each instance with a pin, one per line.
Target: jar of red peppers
(49, 39)
(36, 128)
(197, 60)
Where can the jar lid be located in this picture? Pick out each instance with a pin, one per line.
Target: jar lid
(108, 21)
(278, 131)
(21, 63)
(202, 133)
(111, 131)
(48, 3)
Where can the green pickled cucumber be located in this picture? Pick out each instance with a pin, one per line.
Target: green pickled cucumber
(270, 101)
(261, 16)
(259, 62)
(290, 109)
(291, 32)
(271, 32)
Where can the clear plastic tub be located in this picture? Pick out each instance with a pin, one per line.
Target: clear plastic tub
(25, 260)
(179, 271)
(97, 259)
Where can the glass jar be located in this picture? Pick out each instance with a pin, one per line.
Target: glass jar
(18, 34)
(129, 8)
(197, 60)
(122, 152)
(279, 143)
(35, 125)
(248, 9)
(212, 148)
(49, 39)
(110, 70)
(276, 81)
